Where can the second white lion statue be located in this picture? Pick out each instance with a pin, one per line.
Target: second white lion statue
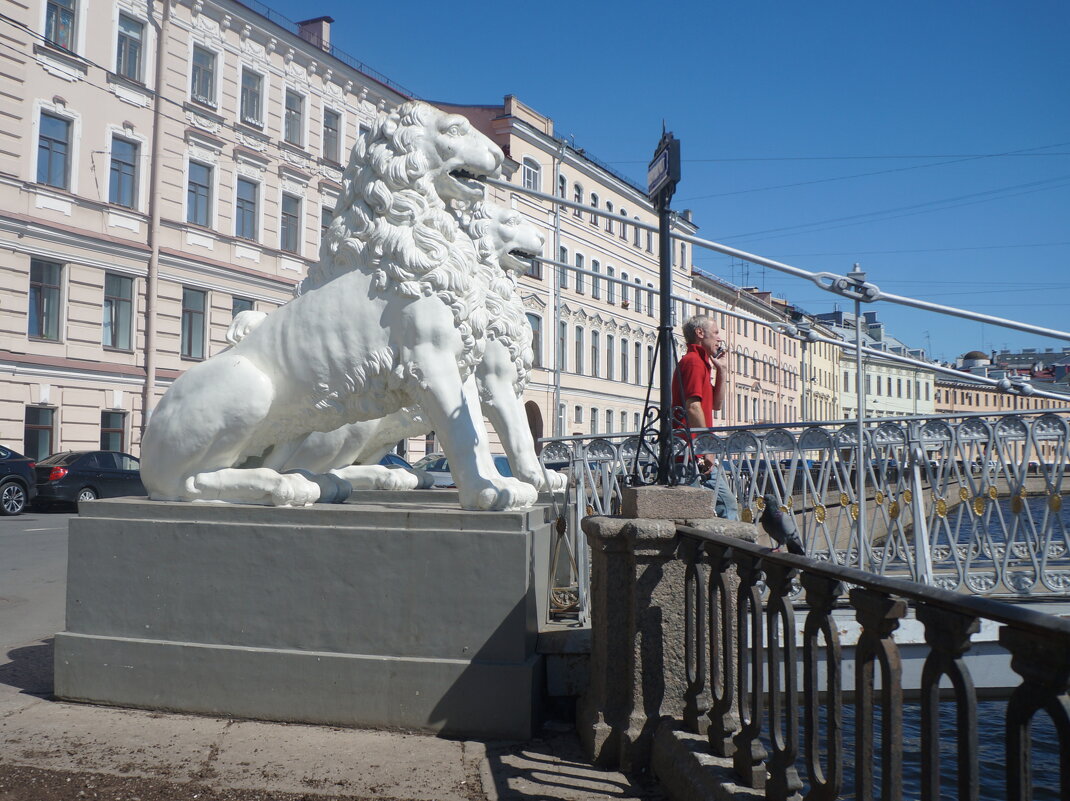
(393, 318)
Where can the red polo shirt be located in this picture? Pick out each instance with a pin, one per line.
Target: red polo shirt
(693, 373)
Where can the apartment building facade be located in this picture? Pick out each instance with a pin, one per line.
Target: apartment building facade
(162, 167)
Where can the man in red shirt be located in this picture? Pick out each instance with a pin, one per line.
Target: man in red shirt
(698, 389)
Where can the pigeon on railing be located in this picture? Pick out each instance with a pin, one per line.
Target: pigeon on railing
(781, 527)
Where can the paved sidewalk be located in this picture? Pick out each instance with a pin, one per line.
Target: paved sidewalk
(55, 750)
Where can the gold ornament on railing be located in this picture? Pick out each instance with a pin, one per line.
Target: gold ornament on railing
(1055, 503)
(908, 496)
(893, 510)
(879, 498)
(747, 516)
(854, 511)
(819, 513)
(979, 505)
(941, 507)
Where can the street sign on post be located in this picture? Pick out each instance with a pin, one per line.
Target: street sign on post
(664, 171)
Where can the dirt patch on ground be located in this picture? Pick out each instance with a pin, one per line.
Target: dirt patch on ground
(18, 783)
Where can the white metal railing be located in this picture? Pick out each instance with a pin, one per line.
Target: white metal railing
(971, 503)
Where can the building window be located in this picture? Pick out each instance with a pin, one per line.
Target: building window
(638, 353)
(683, 255)
(624, 290)
(638, 296)
(650, 363)
(332, 135)
(609, 218)
(39, 434)
(596, 354)
(45, 297)
(596, 282)
(650, 300)
(594, 205)
(532, 175)
(624, 225)
(562, 349)
(577, 196)
(611, 286)
(192, 323)
(624, 361)
(252, 97)
(577, 414)
(623, 421)
(118, 311)
(326, 218)
(562, 187)
(536, 339)
(534, 269)
(245, 209)
(290, 224)
(199, 194)
(239, 305)
(594, 421)
(579, 350)
(128, 47)
(202, 82)
(562, 270)
(611, 356)
(579, 275)
(54, 151)
(112, 427)
(637, 233)
(59, 23)
(122, 179)
(295, 117)
(649, 241)
(609, 421)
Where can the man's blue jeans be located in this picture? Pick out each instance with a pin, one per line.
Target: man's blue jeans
(724, 502)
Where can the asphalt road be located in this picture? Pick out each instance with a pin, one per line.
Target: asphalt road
(33, 576)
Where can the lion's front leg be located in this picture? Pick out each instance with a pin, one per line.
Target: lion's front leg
(453, 409)
(496, 377)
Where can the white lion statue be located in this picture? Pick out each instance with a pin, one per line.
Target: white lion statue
(505, 244)
(390, 318)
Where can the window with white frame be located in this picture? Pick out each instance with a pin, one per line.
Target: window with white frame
(594, 421)
(112, 429)
(239, 305)
(532, 174)
(39, 432)
(638, 232)
(193, 308)
(246, 208)
(624, 224)
(45, 300)
(623, 421)
(536, 338)
(562, 346)
(326, 218)
(577, 414)
(123, 173)
(649, 241)
(290, 223)
(199, 194)
(624, 360)
(596, 282)
(562, 270)
(203, 75)
(562, 186)
(611, 286)
(594, 205)
(624, 290)
(596, 354)
(638, 355)
(609, 218)
(54, 151)
(252, 97)
(611, 357)
(579, 350)
(332, 135)
(129, 47)
(118, 311)
(609, 421)
(294, 119)
(638, 295)
(577, 197)
(579, 275)
(60, 23)
(649, 300)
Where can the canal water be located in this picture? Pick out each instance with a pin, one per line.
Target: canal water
(992, 758)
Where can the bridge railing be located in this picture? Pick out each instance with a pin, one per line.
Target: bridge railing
(733, 691)
(972, 503)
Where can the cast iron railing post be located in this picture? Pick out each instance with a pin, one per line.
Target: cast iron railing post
(948, 635)
(783, 782)
(749, 757)
(879, 616)
(821, 595)
(724, 651)
(696, 580)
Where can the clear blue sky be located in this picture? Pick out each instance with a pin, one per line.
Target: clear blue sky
(814, 133)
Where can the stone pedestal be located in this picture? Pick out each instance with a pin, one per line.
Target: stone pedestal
(395, 609)
(637, 669)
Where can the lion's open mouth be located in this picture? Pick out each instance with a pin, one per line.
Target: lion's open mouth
(520, 260)
(468, 181)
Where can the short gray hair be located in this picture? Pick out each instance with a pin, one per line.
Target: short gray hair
(698, 321)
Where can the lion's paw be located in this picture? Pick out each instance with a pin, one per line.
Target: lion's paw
(293, 489)
(555, 481)
(425, 480)
(500, 494)
(399, 478)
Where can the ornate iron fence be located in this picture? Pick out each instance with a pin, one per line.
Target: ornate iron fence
(742, 657)
(972, 503)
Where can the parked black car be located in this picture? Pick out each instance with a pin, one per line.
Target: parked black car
(18, 482)
(84, 475)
